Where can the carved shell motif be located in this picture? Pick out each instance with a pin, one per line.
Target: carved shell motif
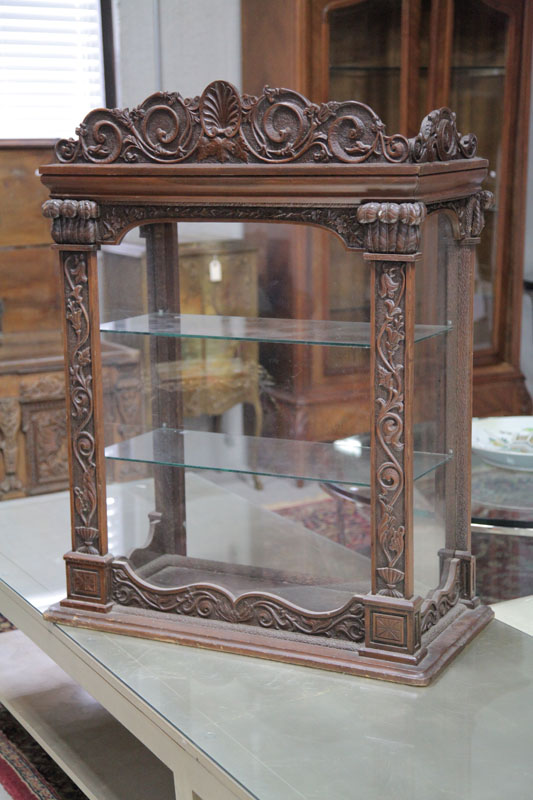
(279, 126)
(220, 110)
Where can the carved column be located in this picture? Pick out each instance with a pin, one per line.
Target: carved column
(9, 443)
(162, 264)
(88, 563)
(468, 216)
(392, 238)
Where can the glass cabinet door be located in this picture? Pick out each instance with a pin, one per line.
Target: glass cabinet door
(365, 56)
(479, 58)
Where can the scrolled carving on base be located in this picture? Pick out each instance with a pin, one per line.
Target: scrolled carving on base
(439, 139)
(392, 227)
(74, 221)
(469, 212)
(445, 597)
(208, 601)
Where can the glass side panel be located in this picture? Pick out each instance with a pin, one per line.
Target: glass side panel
(299, 331)
(342, 461)
(210, 418)
(284, 540)
(480, 43)
(435, 393)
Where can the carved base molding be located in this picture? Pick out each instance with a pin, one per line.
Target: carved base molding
(348, 659)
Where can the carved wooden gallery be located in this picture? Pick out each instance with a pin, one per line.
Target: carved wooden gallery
(208, 571)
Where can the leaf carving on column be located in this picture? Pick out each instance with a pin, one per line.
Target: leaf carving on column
(81, 402)
(389, 424)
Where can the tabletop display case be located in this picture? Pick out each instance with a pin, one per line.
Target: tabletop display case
(196, 552)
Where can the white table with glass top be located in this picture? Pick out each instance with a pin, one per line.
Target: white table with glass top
(179, 721)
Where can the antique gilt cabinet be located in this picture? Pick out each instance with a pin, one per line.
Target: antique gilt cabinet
(195, 554)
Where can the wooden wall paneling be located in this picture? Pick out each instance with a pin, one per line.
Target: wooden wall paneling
(21, 221)
(28, 290)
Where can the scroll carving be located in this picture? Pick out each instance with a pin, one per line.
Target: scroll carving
(279, 126)
(444, 598)
(110, 222)
(392, 227)
(10, 417)
(469, 211)
(81, 402)
(116, 219)
(439, 139)
(74, 221)
(212, 602)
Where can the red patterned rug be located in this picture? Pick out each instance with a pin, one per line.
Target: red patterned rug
(333, 519)
(18, 776)
(26, 771)
(504, 562)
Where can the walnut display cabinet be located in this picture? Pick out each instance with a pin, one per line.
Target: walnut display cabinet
(191, 550)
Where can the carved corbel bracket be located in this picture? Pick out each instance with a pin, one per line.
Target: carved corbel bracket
(470, 213)
(446, 596)
(392, 227)
(466, 576)
(73, 221)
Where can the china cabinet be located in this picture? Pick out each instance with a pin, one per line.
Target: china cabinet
(210, 564)
(404, 58)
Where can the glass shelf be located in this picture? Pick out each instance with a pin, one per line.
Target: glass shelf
(344, 461)
(475, 69)
(256, 329)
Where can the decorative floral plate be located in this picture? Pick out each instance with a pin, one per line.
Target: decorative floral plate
(504, 441)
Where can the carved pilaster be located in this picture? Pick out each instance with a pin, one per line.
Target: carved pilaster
(84, 402)
(392, 239)
(9, 430)
(73, 221)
